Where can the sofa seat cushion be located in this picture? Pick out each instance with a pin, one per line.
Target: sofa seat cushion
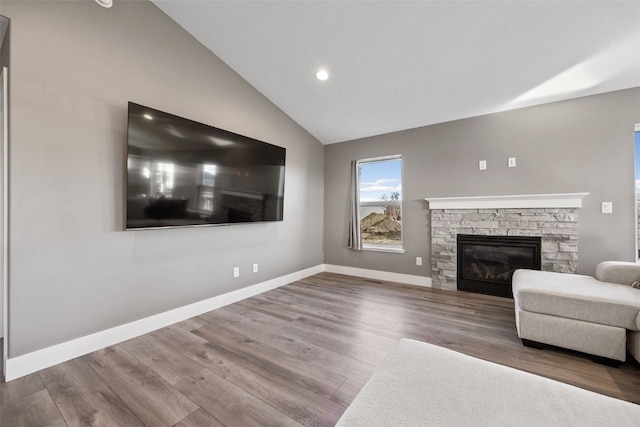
(577, 297)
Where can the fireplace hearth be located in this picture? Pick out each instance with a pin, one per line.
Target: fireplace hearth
(486, 263)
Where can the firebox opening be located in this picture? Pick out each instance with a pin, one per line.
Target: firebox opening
(486, 263)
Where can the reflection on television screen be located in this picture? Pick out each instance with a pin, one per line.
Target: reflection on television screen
(184, 173)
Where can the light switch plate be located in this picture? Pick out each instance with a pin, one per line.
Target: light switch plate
(607, 207)
(511, 162)
(482, 165)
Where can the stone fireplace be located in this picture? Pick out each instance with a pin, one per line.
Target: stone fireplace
(552, 217)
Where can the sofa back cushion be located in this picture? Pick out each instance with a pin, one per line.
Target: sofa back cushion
(622, 273)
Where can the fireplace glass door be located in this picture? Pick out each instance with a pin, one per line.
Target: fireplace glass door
(486, 263)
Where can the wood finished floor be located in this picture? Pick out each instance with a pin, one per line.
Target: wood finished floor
(296, 355)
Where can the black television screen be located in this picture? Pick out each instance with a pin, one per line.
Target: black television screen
(184, 173)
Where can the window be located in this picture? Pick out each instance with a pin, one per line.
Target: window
(637, 161)
(162, 183)
(205, 196)
(380, 203)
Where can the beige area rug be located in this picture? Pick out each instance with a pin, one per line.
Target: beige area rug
(420, 384)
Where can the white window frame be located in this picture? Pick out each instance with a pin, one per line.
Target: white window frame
(637, 198)
(381, 247)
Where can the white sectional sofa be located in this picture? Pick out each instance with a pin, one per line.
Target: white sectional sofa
(599, 316)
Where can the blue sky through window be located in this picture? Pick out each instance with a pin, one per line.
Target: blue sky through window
(638, 162)
(378, 178)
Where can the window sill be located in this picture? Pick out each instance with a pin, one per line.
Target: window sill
(381, 248)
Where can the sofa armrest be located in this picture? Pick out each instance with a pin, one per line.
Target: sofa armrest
(622, 273)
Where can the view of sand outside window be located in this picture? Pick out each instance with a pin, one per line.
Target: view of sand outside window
(381, 203)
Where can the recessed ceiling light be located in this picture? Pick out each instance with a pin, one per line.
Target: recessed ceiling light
(105, 3)
(322, 75)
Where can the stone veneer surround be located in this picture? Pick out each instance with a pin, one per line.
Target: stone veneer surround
(558, 227)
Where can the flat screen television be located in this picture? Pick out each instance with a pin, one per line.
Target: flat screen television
(184, 173)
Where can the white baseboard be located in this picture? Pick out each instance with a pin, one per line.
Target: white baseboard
(379, 275)
(20, 366)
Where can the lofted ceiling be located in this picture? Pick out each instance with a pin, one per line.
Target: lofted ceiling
(397, 65)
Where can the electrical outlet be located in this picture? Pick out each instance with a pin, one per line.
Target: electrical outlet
(607, 207)
(511, 162)
(482, 165)
(236, 271)
(418, 260)
(255, 267)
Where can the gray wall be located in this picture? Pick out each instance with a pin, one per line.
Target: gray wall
(582, 145)
(72, 270)
(4, 42)
(4, 62)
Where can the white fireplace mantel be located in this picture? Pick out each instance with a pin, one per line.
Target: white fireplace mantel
(527, 201)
